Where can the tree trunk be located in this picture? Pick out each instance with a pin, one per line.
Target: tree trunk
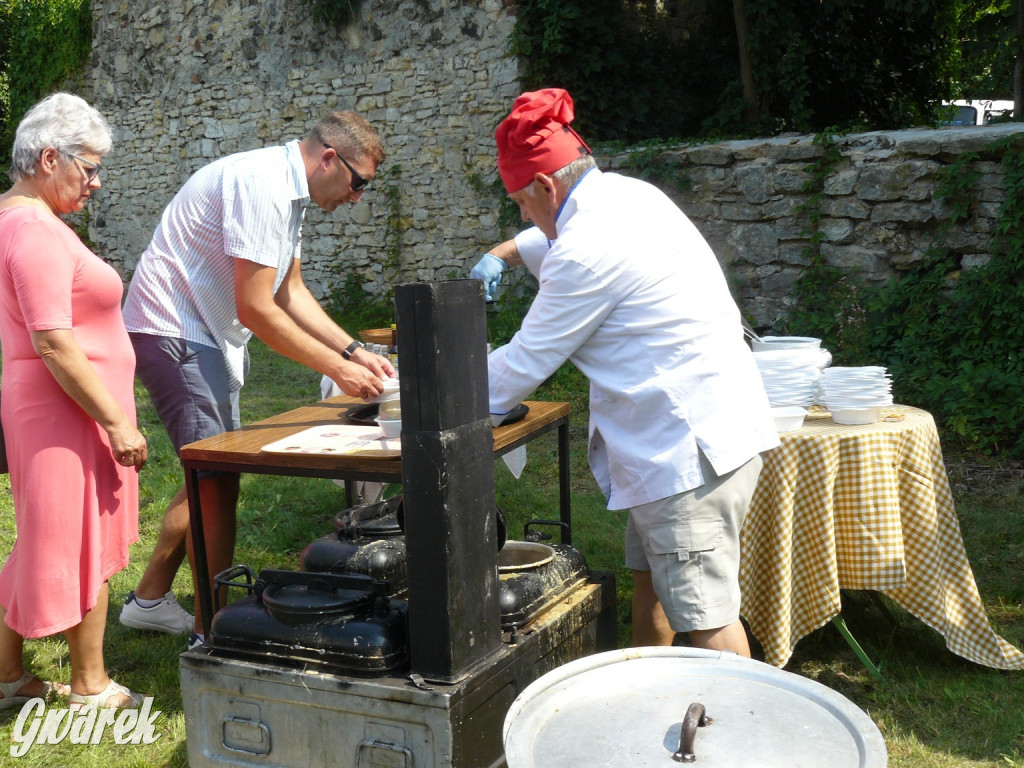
(750, 106)
(1018, 67)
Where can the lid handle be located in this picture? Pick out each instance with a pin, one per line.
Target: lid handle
(695, 718)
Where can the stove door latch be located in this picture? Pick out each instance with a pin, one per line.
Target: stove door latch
(383, 754)
(418, 681)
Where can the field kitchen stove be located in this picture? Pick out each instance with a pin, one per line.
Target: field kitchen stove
(335, 669)
(369, 540)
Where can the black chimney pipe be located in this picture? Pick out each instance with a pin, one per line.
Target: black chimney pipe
(448, 478)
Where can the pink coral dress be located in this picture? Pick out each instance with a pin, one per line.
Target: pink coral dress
(77, 509)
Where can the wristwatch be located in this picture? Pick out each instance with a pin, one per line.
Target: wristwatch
(351, 349)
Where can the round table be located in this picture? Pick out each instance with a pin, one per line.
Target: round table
(860, 507)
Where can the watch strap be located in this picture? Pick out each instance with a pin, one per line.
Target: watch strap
(351, 349)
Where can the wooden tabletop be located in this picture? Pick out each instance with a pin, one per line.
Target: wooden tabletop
(241, 449)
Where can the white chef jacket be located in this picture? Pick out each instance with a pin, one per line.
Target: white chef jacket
(631, 293)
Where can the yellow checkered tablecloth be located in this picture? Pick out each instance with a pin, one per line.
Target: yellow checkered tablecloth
(860, 507)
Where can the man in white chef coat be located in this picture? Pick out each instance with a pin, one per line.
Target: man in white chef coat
(631, 293)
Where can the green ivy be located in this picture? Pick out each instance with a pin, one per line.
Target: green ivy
(953, 337)
(335, 13)
(396, 224)
(44, 42)
(829, 300)
(647, 161)
(347, 301)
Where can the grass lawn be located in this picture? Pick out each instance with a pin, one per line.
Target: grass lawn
(934, 709)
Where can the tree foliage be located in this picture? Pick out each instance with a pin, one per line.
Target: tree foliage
(636, 72)
(987, 45)
(641, 69)
(42, 42)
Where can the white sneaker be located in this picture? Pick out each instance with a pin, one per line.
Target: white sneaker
(165, 616)
(195, 640)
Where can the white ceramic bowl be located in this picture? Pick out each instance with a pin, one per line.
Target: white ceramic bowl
(391, 391)
(789, 417)
(856, 416)
(389, 426)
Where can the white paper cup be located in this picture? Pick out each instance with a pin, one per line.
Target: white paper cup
(389, 426)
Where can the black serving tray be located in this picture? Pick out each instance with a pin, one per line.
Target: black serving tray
(366, 415)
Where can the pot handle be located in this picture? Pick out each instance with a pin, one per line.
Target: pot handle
(226, 579)
(695, 718)
(536, 536)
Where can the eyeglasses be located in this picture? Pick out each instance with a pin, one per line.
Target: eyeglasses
(91, 170)
(358, 182)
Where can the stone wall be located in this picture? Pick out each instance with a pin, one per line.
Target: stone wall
(188, 81)
(185, 82)
(879, 212)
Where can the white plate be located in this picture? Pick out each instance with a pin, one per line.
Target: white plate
(847, 405)
(841, 370)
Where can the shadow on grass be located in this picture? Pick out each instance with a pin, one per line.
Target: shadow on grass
(934, 707)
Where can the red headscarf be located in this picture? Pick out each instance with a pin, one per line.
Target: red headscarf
(536, 137)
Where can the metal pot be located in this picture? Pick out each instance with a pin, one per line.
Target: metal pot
(369, 539)
(660, 706)
(521, 555)
(340, 622)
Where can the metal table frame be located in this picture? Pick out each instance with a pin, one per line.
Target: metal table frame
(240, 451)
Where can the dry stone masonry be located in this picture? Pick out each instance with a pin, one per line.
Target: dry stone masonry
(879, 213)
(185, 82)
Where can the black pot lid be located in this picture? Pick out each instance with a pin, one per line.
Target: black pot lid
(627, 707)
(301, 603)
(382, 518)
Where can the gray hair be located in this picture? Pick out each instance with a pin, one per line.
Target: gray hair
(62, 121)
(569, 174)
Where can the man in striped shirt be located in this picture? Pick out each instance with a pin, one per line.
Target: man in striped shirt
(224, 264)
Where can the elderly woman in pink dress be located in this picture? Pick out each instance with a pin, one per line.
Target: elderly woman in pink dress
(68, 409)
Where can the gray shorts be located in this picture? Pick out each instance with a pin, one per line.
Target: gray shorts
(188, 384)
(690, 543)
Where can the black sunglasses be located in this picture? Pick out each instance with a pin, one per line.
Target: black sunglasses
(358, 182)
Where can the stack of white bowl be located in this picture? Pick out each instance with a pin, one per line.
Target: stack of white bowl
(791, 374)
(856, 395)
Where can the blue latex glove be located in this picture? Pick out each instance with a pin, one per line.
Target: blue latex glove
(489, 269)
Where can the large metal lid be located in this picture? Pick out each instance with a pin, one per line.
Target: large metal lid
(627, 707)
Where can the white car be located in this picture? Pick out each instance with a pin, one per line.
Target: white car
(979, 111)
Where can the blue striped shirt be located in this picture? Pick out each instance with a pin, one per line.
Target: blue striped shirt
(248, 205)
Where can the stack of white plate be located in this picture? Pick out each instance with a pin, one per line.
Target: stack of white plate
(791, 376)
(856, 395)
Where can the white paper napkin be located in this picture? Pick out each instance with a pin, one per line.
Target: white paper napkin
(515, 460)
(366, 491)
